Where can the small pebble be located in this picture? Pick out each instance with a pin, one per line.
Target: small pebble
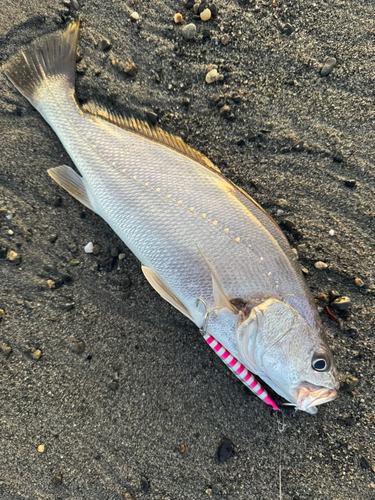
(213, 10)
(189, 31)
(121, 256)
(341, 303)
(152, 117)
(6, 350)
(9, 216)
(287, 29)
(304, 270)
(2, 313)
(57, 480)
(205, 15)
(338, 157)
(208, 491)
(37, 354)
(81, 346)
(350, 183)
(131, 70)
(349, 383)
(358, 282)
(281, 203)
(364, 463)
(225, 111)
(10, 232)
(127, 496)
(74, 4)
(201, 6)
(12, 256)
(51, 284)
(144, 484)
(329, 64)
(96, 250)
(322, 296)
(320, 265)
(114, 385)
(105, 45)
(134, 16)
(74, 262)
(224, 39)
(213, 76)
(196, 8)
(89, 247)
(225, 451)
(41, 448)
(178, 18)
(114, 252)
(52, 238)
(331, 232)
(182, 448)
(332, 295)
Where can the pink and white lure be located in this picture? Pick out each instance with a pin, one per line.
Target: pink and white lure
(240, 371)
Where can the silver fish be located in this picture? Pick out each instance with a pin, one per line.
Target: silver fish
(205, 246)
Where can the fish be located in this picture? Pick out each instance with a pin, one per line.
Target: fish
(204, 245)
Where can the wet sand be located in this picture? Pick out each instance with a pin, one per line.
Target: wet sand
(123, 380)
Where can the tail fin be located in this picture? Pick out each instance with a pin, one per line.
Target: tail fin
(51, 56)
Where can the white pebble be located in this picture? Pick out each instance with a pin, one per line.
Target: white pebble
(10, 232)
(320, 265)
(134, 16)
(213, 76)
(89, 247)
(9, 216)
(280, 212)
(121, 256)
(331, 232)
(206, 15)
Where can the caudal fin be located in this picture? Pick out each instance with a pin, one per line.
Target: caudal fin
(50, 57)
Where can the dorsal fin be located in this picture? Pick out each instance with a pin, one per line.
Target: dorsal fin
(152, 132)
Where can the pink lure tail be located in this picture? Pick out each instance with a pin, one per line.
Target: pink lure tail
(240, 371)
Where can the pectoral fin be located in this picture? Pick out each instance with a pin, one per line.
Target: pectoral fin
(68, 179)
(164, 291)
(221, 300)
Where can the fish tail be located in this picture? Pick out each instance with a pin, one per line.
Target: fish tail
(52, 58)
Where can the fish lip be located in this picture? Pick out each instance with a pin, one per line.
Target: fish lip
(308, 396)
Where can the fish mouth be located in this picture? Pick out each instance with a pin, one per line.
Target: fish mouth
(309, 396)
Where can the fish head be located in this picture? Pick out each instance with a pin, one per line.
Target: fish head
(288, 354)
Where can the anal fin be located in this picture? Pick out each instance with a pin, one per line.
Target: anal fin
(158, 285)
(68, 179)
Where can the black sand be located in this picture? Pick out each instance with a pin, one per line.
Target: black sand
(113, 417)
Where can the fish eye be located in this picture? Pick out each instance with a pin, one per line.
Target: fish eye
(320, 361)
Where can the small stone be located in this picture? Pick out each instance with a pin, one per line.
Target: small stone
(114, 385)
(320, 265)
(225, 111)
(121, 256)
(152, 117)
(6, 350)
(144, 484)
(213, 10)
(196, 8)
(52, 238)
(41, 448)
(96, 250)
(74, 262)
(332, 295)
(373, 470)
(281, 203)
(202, 6)
(304, 270)
(105, 45)
(225, 451)
(114, 252)
(57, 480)
(10, 232)
(205, 15)
(287, 29)
(349, 383)
(189, 31)
(37, 354)
(2, 313)
(364, 463)
(81, 346)
(51, 284)
(331, 232)
(127, 496)
(125, 282)
(213, 76)
(89, 247)
(189, 4)
(208, 491)
(350, 183)
(57, 201)
(131, 70)
(322, 296)
(358, 282)
(178, 18)
(74, 4)
(182, 448)
(224, 39)
(134, 16)
(341, 303)
(328, 66)
(338, 157)
(13, 256)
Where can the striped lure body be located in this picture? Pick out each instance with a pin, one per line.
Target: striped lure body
(196, 234)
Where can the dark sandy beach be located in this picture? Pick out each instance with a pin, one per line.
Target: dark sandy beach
(117, 389)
